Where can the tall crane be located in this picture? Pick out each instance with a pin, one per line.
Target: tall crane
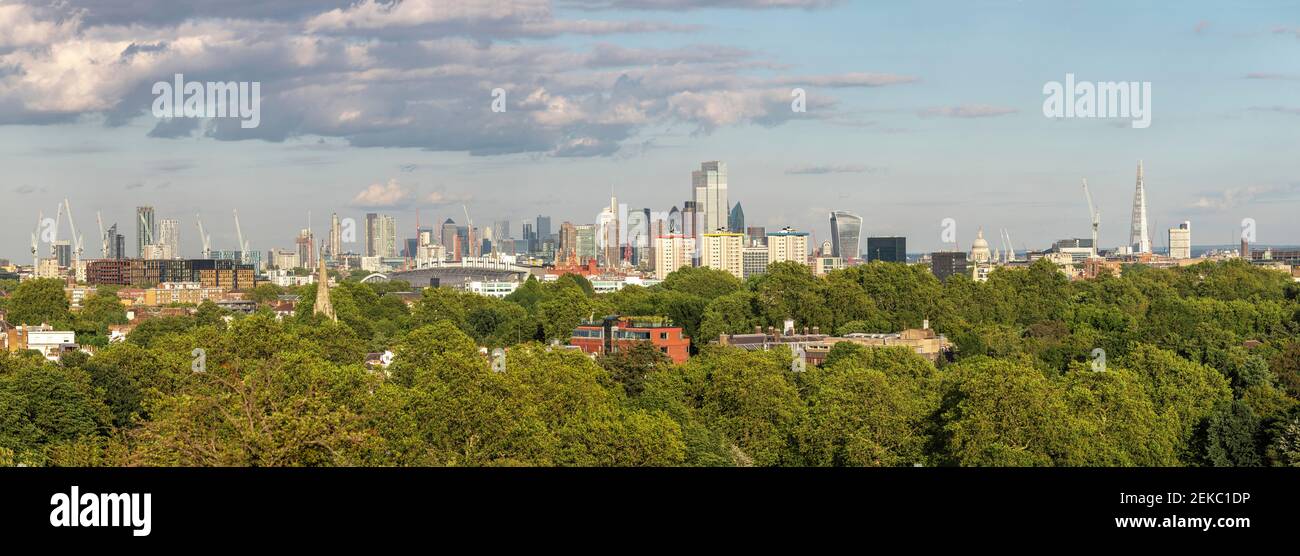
(54, 236)
(1094, 214)
(469, 232)
(36, 257)
(103, 239)
(204, 237)
(1011, 247)
(78, 241)
(243, 245)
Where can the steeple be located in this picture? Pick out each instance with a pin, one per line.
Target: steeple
(1139, 239)
(323, 306)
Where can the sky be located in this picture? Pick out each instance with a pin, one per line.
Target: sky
(915, 112)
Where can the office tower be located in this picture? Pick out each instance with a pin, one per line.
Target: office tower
(672, 252)
(787, 245)
(607, 225)
(144, 230)
(1138, 237)
(887, 249)
(543, 228)
(447, 236)
(501, 229)
(568, 248)
(409, 246)
(386, 245)
(736, 220)
(692, 222)
(306, 247)
(585, 240)
(116, 243)
(757, 235)
(63, 252)
(948, 263)
(529, 236)
(710, 188)
(846, 228)
(1180, 241)
(372, 234)
(169, 230)
(336, 237)
(638, 235)
(724, 251)
(754, 260)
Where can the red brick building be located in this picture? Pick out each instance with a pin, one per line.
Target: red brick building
(616, 332)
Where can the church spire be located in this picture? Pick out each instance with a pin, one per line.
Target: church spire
(323, 306)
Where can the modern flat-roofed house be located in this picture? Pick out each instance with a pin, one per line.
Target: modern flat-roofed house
(614, 333)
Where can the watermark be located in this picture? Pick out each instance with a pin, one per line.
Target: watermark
(948, 231)
(498, 100)
(212, 99)
(1248, 230)
(499, 360)
(799, 102)
(200, 362)
(1106, 99)
(1098, 360)
(799, 362)
(348, 230)
(74, 509)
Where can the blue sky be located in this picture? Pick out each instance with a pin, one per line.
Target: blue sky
(883, 135)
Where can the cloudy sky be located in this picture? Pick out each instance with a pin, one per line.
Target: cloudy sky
(916, 112)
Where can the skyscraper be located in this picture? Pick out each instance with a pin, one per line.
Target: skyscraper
(144, 230)
(736, 220)
(387, 236)
(336, 237)
(638, 235)
(543, 228)
(116, 244)
(372, 234)
(568, 247)
(1139, 239)
(585, 239)
(1180, 241)
(887, 249)
(448, 238)
(846, 229)
(710, 188)
(169, 237)
(306, 247)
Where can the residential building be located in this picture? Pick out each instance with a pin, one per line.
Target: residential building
(1180, 241)
(616, 333)
(787, 245)
(672, 252)
(724, 251)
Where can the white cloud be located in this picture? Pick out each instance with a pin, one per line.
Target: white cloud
(379, 195)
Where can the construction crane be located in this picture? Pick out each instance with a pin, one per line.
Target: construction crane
(469, 231)
(204, 237)
(103, 239)
(243, 245)
(78, 241)
(1011, 247)
(36, 257)
(1094, 214)
(54, 237)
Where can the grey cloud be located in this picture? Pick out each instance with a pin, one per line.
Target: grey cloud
(833, 169)
(967, 111)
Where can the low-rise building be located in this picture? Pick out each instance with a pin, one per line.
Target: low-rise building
(614, 333)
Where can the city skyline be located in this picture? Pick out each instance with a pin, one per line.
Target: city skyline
(894, 131)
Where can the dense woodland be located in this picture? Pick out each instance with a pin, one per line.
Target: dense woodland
(1202, 369)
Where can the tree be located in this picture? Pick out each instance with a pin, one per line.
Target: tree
(630, 366)
(39, 301)
(701, 281)
(266, 292)
(1230, 436)
(1003, 413)
(103, 308)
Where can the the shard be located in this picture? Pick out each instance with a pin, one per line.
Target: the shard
(1139, 238)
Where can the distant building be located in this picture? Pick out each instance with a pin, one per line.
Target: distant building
(757, 235)
(723, 251)
(616, 333)
(673, 252)
(736, 220)
(816, 346)
(846, 229)
(887, 249)
(709, 185)
(825, 265)
(754, 260)
(1180, 241)
(787, 245)
(51, 343)
(144, 229)
(948, 263)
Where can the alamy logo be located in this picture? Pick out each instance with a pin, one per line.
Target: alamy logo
(1106, 99)
(213, 99)
(102, 510)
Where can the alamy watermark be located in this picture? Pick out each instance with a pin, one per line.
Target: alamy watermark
(213, 99)
(1105, 99)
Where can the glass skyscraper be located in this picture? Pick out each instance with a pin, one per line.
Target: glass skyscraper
(846, 229)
